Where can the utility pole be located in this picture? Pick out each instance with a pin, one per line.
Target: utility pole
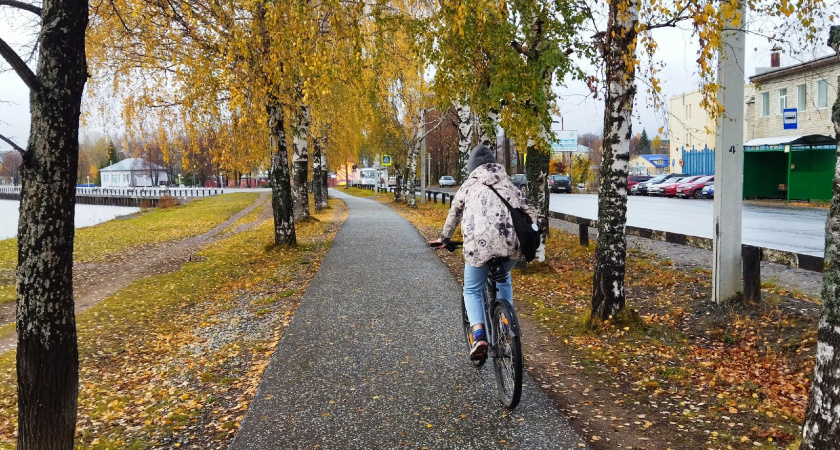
(729, 164)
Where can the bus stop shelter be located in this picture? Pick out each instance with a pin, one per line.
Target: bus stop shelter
(790, 167)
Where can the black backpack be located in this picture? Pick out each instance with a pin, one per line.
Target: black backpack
(526, 231)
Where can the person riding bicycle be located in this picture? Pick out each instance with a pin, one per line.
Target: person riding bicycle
(488, 234)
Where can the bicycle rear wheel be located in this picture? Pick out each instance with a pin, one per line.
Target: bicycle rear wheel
(507, 354)
(465, 323)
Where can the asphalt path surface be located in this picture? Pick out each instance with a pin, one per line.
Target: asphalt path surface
(800, 230)
(374, 357)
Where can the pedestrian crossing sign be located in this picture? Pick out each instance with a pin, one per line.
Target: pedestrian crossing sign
(386, 160)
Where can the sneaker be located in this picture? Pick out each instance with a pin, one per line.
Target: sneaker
(479, 350)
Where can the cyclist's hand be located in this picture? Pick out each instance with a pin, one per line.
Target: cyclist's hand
(436, 244)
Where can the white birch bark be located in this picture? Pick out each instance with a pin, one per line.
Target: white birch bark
(413, 153)
(465, 134)
(611, 249)
(300, 161)
(821, 428)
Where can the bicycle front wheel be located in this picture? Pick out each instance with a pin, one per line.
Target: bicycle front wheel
(507, 354)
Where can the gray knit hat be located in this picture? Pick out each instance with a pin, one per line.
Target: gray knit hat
(481, 154)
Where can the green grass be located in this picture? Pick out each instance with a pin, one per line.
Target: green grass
(358, 192)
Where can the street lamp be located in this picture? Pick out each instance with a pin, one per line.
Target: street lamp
(88, 180)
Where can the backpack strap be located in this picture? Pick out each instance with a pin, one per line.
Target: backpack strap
(510, 208)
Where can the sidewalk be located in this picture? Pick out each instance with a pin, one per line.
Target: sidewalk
(374, 357)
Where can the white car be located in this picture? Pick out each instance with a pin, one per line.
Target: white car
(446, 180)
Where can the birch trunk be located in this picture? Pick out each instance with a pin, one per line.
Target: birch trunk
(300, 161)
(325, 190)
(318, 192)
(821, 428)
(411, 179)
(47, 351)
(487, 133)
(465, 134)
(281, 189)
(611, 248)
(536, 168)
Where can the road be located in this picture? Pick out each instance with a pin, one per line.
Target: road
(788, 228)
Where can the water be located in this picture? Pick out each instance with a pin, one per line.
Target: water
(86, 215)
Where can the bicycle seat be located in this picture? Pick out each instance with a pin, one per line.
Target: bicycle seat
(497, 272)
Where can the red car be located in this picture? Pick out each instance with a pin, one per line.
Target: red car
(669, 188)
(694, 188)
(633, 180)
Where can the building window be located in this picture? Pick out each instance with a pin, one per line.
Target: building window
(782, 100)
(822, 94)
(801, 97)
(765, 104)
(688, 111)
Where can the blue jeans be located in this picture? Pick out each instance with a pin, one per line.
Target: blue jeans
(474, 281)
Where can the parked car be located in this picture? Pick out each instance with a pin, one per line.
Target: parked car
(559, 183)
(520, 181)
(642, 188)
(709, 191)
(633, 180)
(392, 181)
(694, 188)
(669, 188)
(446, 180)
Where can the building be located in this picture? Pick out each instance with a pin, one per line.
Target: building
(649, 165)
(133, 172)
(790, 150)
(690, 126)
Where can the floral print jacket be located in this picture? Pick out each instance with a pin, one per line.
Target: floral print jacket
(485, 221)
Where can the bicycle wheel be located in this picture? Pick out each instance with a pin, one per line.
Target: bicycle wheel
(507, 354)
(465, 323)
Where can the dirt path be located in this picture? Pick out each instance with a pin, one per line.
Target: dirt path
(93, 282)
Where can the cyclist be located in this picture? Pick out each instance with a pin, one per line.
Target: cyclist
(488, 233)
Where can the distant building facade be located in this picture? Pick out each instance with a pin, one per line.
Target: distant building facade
(133, 172)
(649, 165)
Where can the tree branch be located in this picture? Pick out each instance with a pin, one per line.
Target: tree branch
(521, 49)
(10, 142)
(19, 66)
(21, 5)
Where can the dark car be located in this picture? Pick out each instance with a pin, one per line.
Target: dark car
(641, 188)
(520, 181)
(633, 180)
(559, 183)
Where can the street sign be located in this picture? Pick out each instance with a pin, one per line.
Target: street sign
(386, 160)
(567, 141)
(789, 118)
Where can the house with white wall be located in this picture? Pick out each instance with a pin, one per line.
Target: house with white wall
(133, 172)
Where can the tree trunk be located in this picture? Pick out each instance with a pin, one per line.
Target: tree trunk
(316, 175)
(506, 148)
(47, 352)
(611, 249)
(465, 130)
(413, 153)
(821, 429)
(300, 161)
(487, 130)
(324, 176)
(537, 166)
(398, 185)
(281, 189)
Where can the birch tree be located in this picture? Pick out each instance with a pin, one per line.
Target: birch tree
(821, 428)
(47, 351)
(465, 134)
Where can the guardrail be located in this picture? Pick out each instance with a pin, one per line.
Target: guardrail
(135, 197)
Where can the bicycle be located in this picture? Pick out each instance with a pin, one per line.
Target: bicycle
(501, 326)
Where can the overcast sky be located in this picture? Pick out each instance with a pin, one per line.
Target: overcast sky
(580, 111)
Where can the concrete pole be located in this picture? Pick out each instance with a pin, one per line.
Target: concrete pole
(729, 165)
(423, 157)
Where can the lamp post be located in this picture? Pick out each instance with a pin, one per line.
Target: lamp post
(88, 180)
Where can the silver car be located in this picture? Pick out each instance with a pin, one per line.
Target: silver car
(446, 180)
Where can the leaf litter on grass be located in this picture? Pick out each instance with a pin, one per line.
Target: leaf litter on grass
(701, 375)
(174, 360)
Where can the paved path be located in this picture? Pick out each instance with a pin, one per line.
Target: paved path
(374, 357)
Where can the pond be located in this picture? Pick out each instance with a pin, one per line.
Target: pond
(86, 215)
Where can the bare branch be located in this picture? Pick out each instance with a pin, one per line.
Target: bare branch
(19, 66)
(10, 142)
(21, 5)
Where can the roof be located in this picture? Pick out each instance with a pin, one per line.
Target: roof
(657, 160)
(800, 142)
(135, 164)
(777, 72)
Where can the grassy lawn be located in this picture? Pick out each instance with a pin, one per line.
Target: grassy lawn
(702, 375)
(356, 192)
(174, 360)
(107, 240)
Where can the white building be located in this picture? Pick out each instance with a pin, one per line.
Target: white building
(133, 172)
